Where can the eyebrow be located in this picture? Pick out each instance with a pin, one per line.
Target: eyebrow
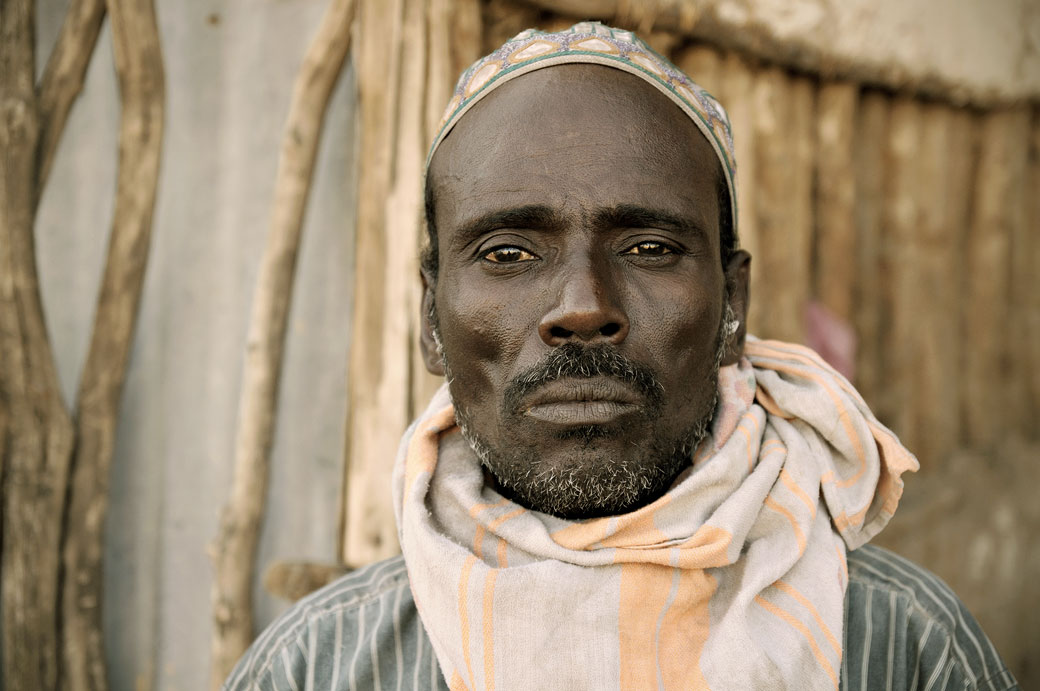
(634, 216)
(532, 216)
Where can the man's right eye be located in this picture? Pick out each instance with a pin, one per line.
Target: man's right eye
(508, 255)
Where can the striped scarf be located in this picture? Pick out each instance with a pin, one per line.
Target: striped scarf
(733, 579)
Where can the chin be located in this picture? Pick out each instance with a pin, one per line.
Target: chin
(586, 472)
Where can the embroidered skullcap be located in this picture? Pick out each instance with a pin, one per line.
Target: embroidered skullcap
(592, 42)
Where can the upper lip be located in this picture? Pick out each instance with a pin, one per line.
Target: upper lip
(595, 389)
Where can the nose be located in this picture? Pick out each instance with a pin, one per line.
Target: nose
(588, 311)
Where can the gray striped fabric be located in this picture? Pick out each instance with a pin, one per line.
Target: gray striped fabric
(904, 629)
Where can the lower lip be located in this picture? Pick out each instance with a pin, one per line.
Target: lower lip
(581, 412)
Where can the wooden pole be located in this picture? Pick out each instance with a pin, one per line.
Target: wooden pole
(63, 77)
(1023, 299)
(870, 171)
(139, 67)
(834, 270)
(782, 207)
(440, 68)
(901, 298)
(799, 240)
(1027, 283)
(738, 78)
(987, 395)
(964, 139)
(39, 436)
(771, 157)
(453, 31)
(391, 63)
(376, 62)
(234, 549)
(931, 288)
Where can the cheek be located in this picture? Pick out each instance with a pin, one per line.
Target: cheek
(680, 323)
(679, 333)
(482, 337)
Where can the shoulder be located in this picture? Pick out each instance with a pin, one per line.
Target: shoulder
(905, 628)
(320, 637)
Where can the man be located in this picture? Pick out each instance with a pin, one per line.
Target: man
(617, 489)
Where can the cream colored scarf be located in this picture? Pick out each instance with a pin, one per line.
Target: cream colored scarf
(734, 579)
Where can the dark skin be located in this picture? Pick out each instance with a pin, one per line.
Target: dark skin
(564, 219)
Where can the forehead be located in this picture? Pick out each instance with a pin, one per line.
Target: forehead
(575, 137)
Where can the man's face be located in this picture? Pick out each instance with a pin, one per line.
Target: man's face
(580, 295)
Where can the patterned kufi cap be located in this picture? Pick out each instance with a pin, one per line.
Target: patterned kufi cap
(592, 42)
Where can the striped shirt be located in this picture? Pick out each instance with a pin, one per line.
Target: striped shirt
(903, 629)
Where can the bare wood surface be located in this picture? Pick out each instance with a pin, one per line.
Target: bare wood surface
(924, 320)
(835, 224)
(900, 256)
(404, 214)
(801, 130)
(871, 128)
(771, 157)
(1031, 299)
(737, 97)
(943, 191)
(386, 299)
(38, 438)
(1023, 298)
(139, 67)
(234, 549)
(378, 26)
(453, 29)
(440, 73)
(964, 137)
(782, 204)
(986, 394)
(63, 77)
(935, 285)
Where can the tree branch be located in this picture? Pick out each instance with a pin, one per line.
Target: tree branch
(234, 549)
(139, 67)
(38, 442)
(63, 78)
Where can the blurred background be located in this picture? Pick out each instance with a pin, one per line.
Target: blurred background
(888, 157)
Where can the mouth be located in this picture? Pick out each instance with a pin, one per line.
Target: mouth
(582, 402)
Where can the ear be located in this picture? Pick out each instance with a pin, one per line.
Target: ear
(738, 275)
(427, 343)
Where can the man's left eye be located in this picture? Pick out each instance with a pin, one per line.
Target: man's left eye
(649, 249)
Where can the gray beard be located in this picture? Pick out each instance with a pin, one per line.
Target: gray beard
(582, 490)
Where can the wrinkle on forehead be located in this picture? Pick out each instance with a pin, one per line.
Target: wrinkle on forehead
(569, 105)
(618, 139)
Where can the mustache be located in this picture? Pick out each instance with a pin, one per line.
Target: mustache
(575, 361)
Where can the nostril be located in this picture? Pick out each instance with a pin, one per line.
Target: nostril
(610, 329)
(560, 332)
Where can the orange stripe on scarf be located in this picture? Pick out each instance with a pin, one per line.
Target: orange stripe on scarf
(663, 624)
(802, 629)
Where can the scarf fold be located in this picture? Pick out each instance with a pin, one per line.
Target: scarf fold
(734, 579)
